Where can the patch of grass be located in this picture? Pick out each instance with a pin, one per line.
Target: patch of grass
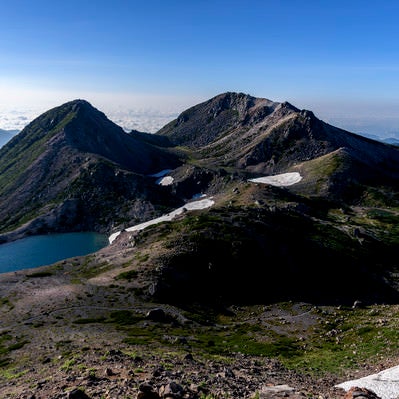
(68, 365)
(12, 373)
(223, 343)
(246, 339)
(340, 340)
(129, 275)
(6, 347)
(139, 370)
(124, 317)
(4, 362)
(17, 345)
(141, 257)
(354, 338)
(6, 302)
(383, 215)
(89, 268)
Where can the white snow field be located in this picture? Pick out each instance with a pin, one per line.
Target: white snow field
(165, 181)
(282, 180)
(385, 384)
(189, 206)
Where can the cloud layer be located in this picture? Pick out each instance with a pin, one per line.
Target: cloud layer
(17, 119)
(145, 120)
(381, 120)
(149, 120)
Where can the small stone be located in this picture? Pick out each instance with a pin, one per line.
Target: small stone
(171, 390)
(157, 314)
(360, 393)
(145, 387)
(148, 395)
(77, 394)
(189, 357)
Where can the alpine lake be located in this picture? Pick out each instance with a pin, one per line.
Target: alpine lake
(43, 250)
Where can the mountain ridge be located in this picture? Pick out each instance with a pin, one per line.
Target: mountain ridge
(291, 284)
(265, 137)
(83, 172)
(58, 157)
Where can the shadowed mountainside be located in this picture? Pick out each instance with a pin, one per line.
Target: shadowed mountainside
(73, 169)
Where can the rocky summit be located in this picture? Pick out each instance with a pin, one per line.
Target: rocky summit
(252, 255)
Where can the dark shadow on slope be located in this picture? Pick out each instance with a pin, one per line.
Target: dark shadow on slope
(259, 258)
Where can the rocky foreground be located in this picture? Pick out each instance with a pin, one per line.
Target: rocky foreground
(119, 374)
(61, 337)
(83, 328)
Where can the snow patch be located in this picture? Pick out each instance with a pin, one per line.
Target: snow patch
(385, 383)
(165, 181)
(190, 206)
(282, 180)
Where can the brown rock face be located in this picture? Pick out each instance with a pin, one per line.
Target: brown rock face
(360, 393)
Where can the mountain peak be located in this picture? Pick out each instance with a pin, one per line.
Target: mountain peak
(289, 106)
(78, 101)
(224, 112)
(81, 105)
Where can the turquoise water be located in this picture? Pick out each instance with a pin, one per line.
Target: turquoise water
(46, 249)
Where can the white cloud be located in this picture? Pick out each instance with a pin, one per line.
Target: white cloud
(143, 112)
(150, 120)
(17, 119)
(145, 120)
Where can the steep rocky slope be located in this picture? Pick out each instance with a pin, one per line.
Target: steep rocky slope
(73, 169)
(254, 136)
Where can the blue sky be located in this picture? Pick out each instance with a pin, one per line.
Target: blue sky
(338, 58)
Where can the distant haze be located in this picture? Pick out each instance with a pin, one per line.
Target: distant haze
(6, 135)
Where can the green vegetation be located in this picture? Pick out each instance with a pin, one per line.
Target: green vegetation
(68, 364)
(349, 338)
(7, 345)
(6, 302)
(88, 267)
(11, 373)
(334, 339)
(129, 275)
(26, 149)
(124, 317)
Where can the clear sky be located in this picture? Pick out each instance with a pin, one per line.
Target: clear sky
(151, 59)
